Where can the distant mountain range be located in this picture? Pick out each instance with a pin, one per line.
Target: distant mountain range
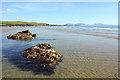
(93, 25)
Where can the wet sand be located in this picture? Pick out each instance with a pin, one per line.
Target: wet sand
(84, 56)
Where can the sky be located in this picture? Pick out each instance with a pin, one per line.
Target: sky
(61, 12)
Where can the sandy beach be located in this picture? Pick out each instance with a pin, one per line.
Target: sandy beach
(84, 56)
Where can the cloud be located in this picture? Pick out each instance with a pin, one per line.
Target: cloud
(18, 18)
(26, 6)
(8, 10)
(42, 18)
(41, 6)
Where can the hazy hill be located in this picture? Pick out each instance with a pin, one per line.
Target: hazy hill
(21, 23)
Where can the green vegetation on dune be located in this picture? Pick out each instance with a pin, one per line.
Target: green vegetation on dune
(21, 23)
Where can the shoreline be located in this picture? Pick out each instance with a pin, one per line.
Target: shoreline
(32, 26)
(96, 35)
(90, 34)
(14, 26)
(21, 26)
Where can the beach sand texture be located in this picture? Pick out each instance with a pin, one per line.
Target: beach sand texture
(84, 56)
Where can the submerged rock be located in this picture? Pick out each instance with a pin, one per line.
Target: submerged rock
(44, 46)
(23, 35)
(40, 54)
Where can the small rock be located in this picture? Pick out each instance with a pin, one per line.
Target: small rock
(23, 35)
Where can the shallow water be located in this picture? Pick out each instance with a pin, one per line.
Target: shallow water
(84, 56)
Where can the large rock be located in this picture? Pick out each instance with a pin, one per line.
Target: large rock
(23, 35)
(40, 54)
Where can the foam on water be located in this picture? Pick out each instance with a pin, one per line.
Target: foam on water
(106, 28)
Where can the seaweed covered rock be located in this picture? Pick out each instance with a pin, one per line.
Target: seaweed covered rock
(44, 55)
(44, 46)
(23, 35)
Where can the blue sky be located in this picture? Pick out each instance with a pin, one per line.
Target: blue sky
(61, 12)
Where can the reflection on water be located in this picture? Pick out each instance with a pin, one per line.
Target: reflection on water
(14, 55)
